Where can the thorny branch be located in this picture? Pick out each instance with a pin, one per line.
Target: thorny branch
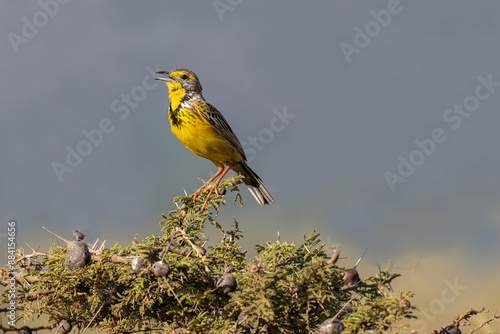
(494, 317)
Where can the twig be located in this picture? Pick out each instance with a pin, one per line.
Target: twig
(113, 258)
(35, 294)
(46, 229)
(14, 329)
(91, 320)
(466, 315)
(345, 305)
(34, 254)
(494, 317)
(172, 290)
(360, 284)
(146, 329)
(205, 270)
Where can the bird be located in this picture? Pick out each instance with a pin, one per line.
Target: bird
(205, 132)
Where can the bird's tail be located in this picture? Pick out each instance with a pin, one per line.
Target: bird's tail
(254, 184)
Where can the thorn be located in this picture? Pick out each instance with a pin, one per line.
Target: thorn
(359, 260)
(279, 240)
(102, 246)
(29, 246)
(185, 192)
(46, 229)
(95, 243)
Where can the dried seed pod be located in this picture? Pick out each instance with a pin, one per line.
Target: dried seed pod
(78, 236)
(77, 255)
(351, 277)
(450, 330)
(331, 326)
(137, 264)
(161, 269)
(64, 327)
(152, 253)
(334, 258)
(24, 330)
(225, 283)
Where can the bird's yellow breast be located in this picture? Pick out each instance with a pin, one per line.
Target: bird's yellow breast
(200, 137)
(195, 132)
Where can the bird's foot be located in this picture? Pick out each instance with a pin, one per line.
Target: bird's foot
(212, 188)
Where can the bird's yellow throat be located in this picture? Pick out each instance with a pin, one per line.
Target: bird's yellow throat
(175, 93)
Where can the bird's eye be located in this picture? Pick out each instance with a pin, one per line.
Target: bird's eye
(184, 77)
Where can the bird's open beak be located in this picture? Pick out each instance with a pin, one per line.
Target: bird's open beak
(163, 76)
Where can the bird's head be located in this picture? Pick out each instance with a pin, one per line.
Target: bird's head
(180, 80)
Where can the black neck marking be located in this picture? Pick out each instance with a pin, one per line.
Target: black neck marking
(174, 115)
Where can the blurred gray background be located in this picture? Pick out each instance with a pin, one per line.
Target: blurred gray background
(356, 101)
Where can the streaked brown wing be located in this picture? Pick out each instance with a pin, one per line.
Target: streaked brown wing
(219, 123)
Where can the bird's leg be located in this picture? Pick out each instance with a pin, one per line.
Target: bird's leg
(206, 184)
(214, 187)
(216, 184)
